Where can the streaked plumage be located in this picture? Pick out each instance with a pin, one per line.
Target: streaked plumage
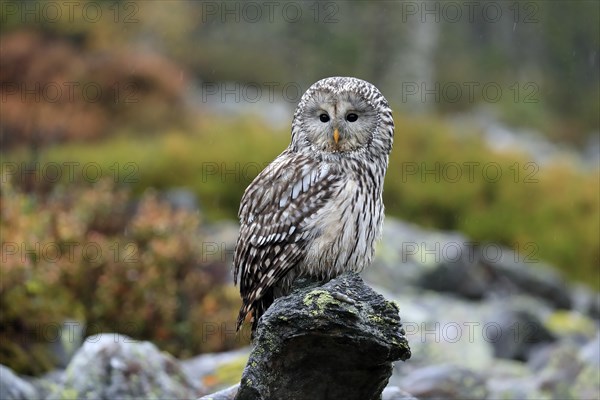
(317, 209)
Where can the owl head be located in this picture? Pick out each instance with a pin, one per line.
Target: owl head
(342, 116)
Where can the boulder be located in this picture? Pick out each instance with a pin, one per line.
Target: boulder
(337, 340)
(14, 388)
(114, 366)
(445, 381)
(515, 333)
(225, 394)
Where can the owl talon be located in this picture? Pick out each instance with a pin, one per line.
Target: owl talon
(343, 298)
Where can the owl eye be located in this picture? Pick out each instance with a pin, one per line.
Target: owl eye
(324, 117)
(351, 117)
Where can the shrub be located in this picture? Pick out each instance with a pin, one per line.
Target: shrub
(89, 254)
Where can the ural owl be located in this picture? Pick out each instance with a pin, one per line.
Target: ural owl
(317, 209)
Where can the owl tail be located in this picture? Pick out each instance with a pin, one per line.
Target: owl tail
(244, 310)
(256, 309)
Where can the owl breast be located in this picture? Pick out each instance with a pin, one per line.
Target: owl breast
(346, 228)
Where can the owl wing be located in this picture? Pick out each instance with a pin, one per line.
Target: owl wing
(272, 215)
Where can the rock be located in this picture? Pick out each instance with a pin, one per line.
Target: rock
(216, 370)
(395, 393)
(514, 273)
(513, 333)
(410, 257)
(585, 301)
(445, 382)
(113, 366)
(50, 383)
(389, 393)
(586, 385)
(590, 353)
(225, 394)
(408, 254)
(342, 330)
(461, 277)
(568, 369)
(513, 389)
(14, 388)
(559, 371)
(393, 269)
(67, 342)
(511, 380)
(443, 330)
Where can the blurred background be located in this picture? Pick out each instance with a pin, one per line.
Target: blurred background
(130, 130)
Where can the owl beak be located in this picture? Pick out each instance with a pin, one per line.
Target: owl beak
(336, 135)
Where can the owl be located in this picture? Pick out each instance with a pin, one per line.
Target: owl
(317, 209)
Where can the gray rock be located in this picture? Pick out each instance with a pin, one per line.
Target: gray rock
(394, 267)
(512, 380)
(14, 388)
(113, 366)
(211, 364)
(516, 332)
(590, 353)
(225, 394)
(50, 383)
(560, 372)
(462, 277)
(407, 253)
(587, 384)
(585, 300)
(342, 330)
(409, 257)
(395, 393)
(514, 273)
(444, 330)
(445, 382)
(67, 342)
(389, 393)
